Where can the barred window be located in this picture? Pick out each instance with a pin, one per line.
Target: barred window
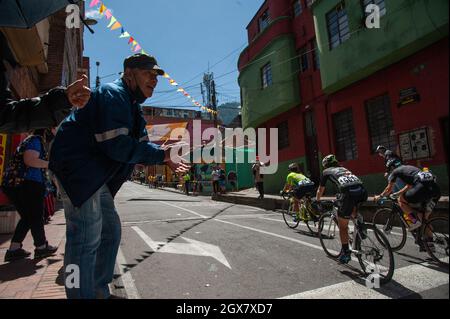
(266, 76)
(283, 135)
(264, 21)
(379, 3)
(303, 57)
(380, 123)
(344, 133)
(337, 24)
(298, 9)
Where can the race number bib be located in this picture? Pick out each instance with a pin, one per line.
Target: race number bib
(348, 180)
(304, 182)
(425, 177)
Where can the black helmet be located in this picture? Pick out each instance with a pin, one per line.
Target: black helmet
(294, 167)
(329, 161)
(381, 148)
(393, 163)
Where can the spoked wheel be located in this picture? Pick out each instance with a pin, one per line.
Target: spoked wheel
(435, 239)
(313, 224)
(329, 235)
(375, 254)
(392, 227)
(289, 216)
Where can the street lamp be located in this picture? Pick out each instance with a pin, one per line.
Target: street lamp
(97, 79)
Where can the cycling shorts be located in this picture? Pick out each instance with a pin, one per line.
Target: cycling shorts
(423, 193)
(301, 191)
(349, 199)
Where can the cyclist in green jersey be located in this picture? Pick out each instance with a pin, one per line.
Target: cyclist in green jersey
(299, 184)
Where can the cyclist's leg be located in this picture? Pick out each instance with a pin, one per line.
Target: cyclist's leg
(344, 215)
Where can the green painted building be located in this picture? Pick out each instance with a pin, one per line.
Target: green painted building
(406, 26)
(260, 104)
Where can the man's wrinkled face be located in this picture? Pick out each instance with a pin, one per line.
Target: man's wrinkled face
(146, 80)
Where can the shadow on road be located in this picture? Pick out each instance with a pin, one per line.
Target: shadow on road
(147, 254)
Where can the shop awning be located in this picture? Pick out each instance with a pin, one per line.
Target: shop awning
(25, 14)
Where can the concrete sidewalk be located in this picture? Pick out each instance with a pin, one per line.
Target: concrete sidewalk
(30, 278)
(272, 202)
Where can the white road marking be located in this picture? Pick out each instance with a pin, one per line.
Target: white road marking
(185, 209)
(406, 281)
(128, 282)
(193, 247)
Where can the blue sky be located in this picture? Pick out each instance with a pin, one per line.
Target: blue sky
(184, 35)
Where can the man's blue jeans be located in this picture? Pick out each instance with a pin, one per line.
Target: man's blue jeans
(93, 233)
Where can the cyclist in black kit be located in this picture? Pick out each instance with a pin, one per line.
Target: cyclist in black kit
(421, 189)
(352, 192)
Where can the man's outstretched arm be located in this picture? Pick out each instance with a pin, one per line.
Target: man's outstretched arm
(41, 112)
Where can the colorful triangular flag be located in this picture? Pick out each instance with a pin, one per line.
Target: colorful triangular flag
(116, 25)
(125, 35)
(131, 40)
(138, 47)
(102, 9)
(94, 3)
(113, 20)
(108, 14)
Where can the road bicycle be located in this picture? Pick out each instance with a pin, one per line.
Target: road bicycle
(308, 213)
(366, 242)
(392, 223)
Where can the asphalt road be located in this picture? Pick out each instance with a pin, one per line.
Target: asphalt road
(179, 247)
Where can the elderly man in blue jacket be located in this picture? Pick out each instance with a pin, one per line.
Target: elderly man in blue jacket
(93, 154)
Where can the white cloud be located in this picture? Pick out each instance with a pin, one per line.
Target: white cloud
(94, 14)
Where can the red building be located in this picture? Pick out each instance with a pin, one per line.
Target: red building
(331, 85)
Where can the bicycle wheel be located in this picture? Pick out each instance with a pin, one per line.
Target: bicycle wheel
(375, 254)
(435, 239)
(289, 216)
(329, 235)
(390, 224)
(313, 224)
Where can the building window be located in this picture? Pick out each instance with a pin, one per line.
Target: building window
(344, 133)
(315, 55)
(264, 21)
(283, 135)
(380, 123)
(337, 24)
(303, 57)
(266, 76)
(298, 9)
(379, 3)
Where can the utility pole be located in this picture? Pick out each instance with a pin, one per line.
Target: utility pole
(209, 94)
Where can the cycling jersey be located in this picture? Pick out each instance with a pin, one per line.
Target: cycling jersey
(296, 179)
(341, 177)
(349, 185)
(411, 175)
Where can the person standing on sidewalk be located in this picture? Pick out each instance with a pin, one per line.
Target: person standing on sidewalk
(93, 154)
(24, 184)
(259, 178)
(215, 174)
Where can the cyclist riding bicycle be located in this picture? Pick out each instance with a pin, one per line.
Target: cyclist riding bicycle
(391, 161)
(352, 192)
(421, 190)
(299, 184)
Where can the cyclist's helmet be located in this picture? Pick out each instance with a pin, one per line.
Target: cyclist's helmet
(329, 161)
(381, 149)
(393, 163)
(294, 167)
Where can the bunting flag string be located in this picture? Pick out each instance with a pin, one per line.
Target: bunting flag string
(136, 47)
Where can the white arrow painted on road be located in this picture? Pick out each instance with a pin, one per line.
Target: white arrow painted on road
(192, 247)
